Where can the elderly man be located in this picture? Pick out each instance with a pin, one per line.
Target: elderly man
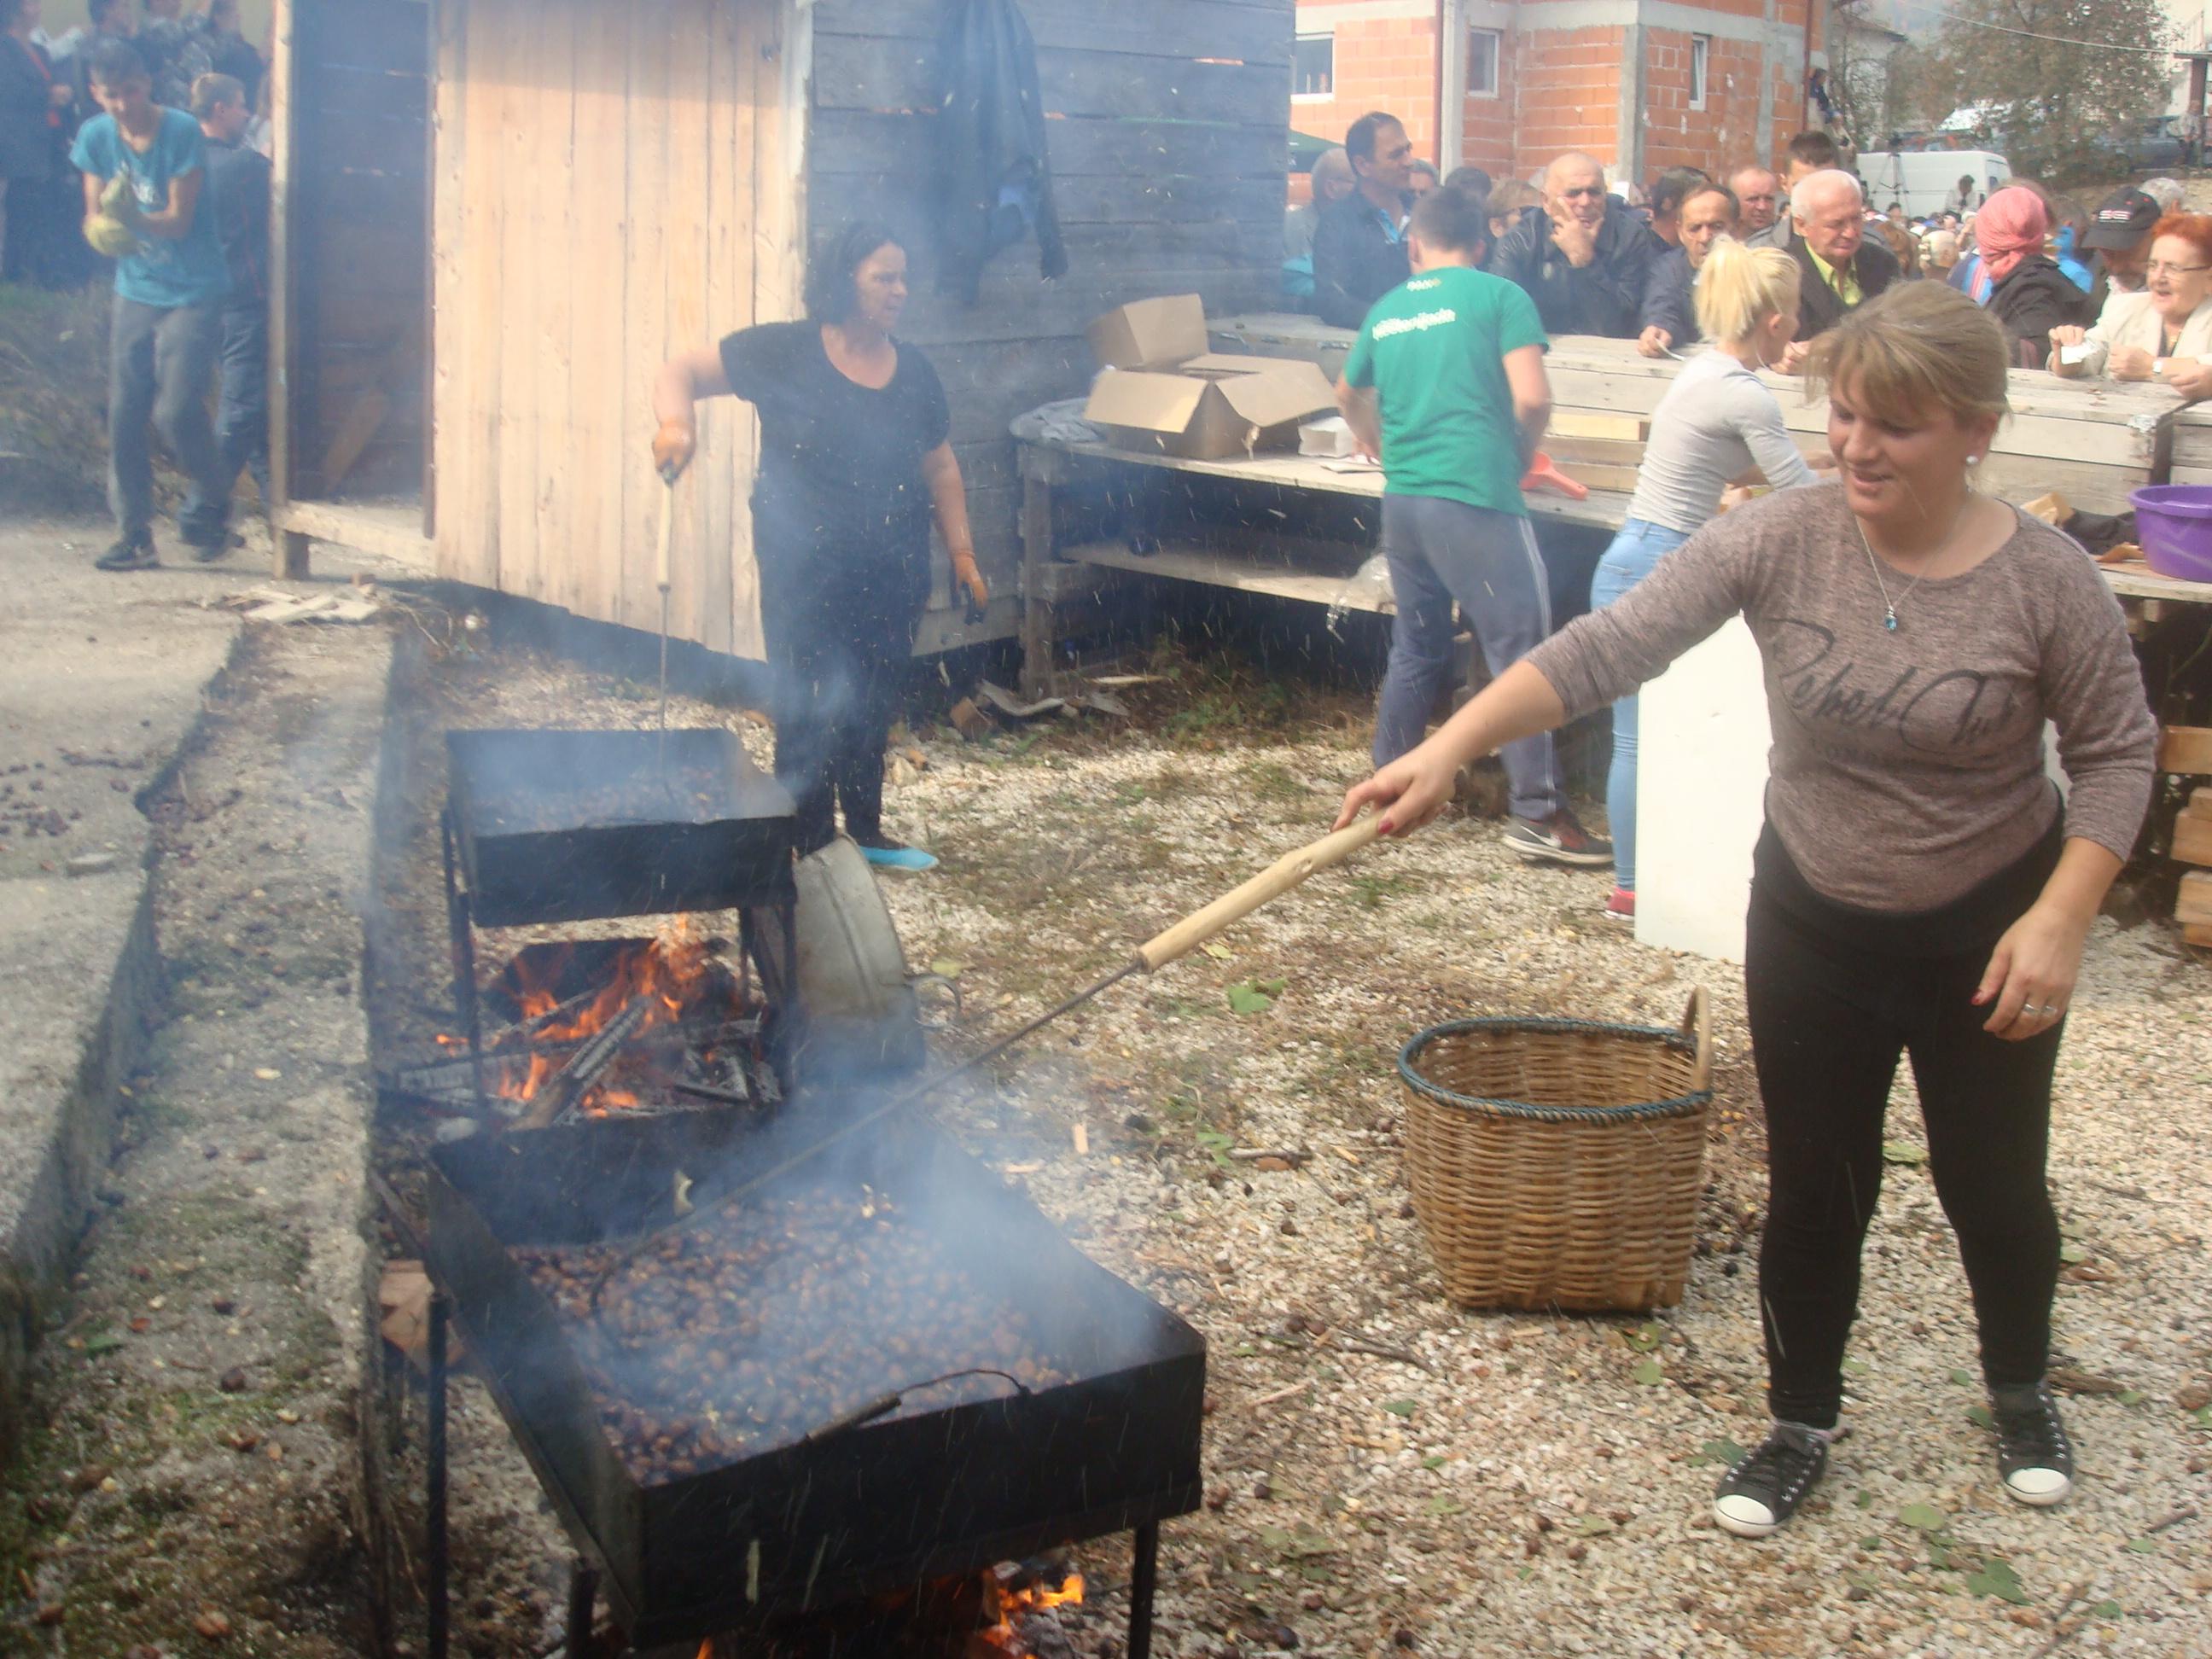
(1583, 259)
(1807, 154)
(1707, 214)
(1843, 266)
(1359, 245)
(1332, 182)
(1758, 198)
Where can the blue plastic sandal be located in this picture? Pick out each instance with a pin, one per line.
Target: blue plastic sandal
(899, 858)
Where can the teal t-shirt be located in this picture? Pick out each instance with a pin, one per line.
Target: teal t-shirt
(166, 271)
(1434, 350)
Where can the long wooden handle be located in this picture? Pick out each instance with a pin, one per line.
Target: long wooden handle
(1278, 878)
(667, 530)
(1697, 1026)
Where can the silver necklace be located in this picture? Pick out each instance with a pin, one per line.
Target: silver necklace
(1889, 606)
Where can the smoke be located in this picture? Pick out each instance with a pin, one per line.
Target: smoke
(711, 1324)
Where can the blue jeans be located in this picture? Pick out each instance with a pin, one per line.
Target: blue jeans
(241, 417)
(1634, 553)
(1441, 550)
(160, 368)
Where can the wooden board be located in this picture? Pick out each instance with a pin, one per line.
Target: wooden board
(1231, 29)
(1599, 475)
(2197, 933)
(1567, 449)
(2186, 751)
(1188, 562)
(2192, 838)
(1569, 420)
(604, 202)
(2195, 903)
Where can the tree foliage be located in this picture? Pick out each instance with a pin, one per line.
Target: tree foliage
(2051, 90)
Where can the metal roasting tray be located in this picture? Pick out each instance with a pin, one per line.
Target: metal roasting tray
(806, 1526)
(575, 826)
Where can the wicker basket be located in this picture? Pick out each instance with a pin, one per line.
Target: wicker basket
(1558, 1163)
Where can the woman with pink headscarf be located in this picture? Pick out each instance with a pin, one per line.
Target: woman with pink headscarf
(2021, 284)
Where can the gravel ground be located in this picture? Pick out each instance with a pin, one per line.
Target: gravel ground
(1537, 1483)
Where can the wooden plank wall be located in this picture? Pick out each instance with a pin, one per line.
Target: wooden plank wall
(1170, 157)
(611, 184)
(356, 201)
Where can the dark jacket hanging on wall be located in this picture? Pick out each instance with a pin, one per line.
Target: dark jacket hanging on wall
(994, 175)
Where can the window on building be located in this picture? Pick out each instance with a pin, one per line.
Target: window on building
(1700, 51)
(1313, 66)
(1482, 63)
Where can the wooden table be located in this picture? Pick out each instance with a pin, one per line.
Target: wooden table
(1062, 579)
(2093, 441)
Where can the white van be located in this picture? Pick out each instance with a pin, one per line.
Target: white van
(1927, 182)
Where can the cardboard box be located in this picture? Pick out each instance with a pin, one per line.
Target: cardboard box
(1151, 333)
(1212, 414)
(1164, 392)
(1330, 438)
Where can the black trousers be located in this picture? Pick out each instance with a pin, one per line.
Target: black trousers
(242, 417)
(1833, 1005)
(840, 636)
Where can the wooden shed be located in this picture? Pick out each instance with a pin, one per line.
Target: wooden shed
(496, 218)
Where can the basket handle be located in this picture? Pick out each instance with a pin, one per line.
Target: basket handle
(1698, 1025)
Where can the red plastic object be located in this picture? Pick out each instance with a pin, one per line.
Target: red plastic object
(1542, 475)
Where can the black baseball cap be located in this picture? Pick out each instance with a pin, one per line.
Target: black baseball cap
(2124, 218)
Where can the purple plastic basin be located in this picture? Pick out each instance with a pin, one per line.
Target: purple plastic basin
(2174, 522)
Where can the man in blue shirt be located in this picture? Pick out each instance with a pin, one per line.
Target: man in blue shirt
(170, 280)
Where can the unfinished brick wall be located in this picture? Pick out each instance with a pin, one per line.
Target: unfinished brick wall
(1561, 88)
(1722, 135)
(1568, 95)
(1382, 64)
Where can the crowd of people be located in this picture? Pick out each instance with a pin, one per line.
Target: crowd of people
(129, 152)
(2076, 291)
(1921, 889)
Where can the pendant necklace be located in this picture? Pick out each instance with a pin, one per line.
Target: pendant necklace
(1889, 607)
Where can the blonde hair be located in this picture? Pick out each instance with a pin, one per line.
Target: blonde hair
(1739, 288)
(1914, 348)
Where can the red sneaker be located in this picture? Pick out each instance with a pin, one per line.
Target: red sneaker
(1621, 907)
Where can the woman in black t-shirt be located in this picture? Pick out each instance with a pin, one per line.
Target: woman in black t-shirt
(855, 460)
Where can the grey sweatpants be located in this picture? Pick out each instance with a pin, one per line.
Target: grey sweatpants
(1441, 550)
(160, 369)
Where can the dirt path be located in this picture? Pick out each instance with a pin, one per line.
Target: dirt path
(189, 1488)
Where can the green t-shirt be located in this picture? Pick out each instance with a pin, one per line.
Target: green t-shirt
(1434, 351)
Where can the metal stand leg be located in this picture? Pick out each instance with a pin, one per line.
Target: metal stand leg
(435, 1448)
(583, 1592)
(1144, 1579)
(461, 931)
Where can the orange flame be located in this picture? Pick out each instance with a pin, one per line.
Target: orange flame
(671, 969)
(1013, 1604)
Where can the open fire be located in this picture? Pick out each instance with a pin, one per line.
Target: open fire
(653, 983)
(1019, 1631)
(588, 1028)
(1007, 1613)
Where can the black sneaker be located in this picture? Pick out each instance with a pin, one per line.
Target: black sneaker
(1762, 1492)
(210, 542)
(2033, 1453)
(128, 555)
(1559, 839)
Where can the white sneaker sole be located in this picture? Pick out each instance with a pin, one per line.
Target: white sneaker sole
(2039, 1497)
(1528, 854)
(1744, 1526)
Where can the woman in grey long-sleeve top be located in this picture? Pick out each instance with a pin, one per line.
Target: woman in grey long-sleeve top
(1920, 890)
(1716, 423)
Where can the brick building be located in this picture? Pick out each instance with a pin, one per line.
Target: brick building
(1641, 84)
